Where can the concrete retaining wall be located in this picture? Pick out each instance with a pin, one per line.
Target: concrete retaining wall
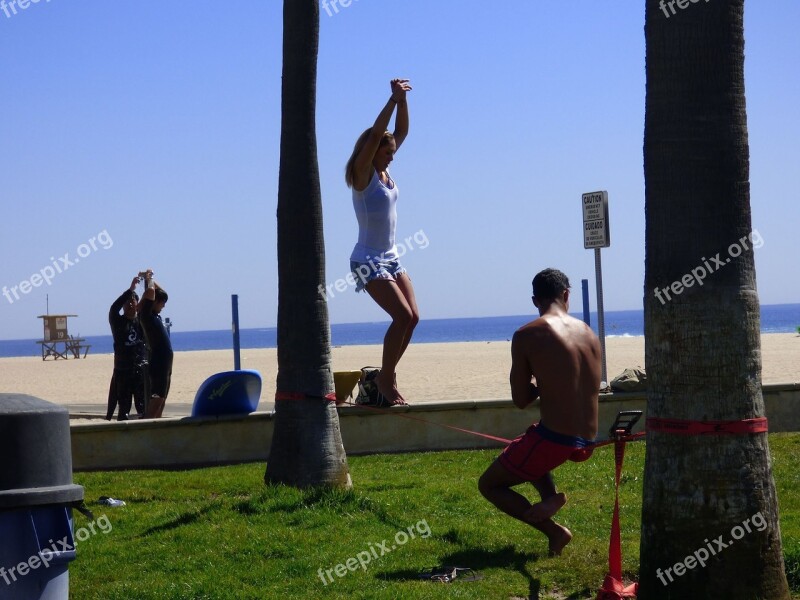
(173, 443)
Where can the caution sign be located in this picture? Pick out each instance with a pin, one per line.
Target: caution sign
(595, 220)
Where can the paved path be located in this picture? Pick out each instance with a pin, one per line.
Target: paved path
(98, 411)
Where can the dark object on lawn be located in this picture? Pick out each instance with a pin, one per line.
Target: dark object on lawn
(449, 574)
(107, 501)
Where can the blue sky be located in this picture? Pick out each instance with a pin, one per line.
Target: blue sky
(153, 127)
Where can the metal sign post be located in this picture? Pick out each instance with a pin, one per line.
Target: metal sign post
(587, 318)
(601, 323)
(596, 235)
(237, 360)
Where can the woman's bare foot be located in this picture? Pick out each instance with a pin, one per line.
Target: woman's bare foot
(402, 401)
(541, 511)
(559, 539)
(389, 390)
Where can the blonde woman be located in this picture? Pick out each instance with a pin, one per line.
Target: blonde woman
(374, 260)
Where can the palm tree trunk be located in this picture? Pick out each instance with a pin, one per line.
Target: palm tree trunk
(702, 339)
(306, 445)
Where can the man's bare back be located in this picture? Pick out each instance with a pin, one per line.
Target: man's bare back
(556, 358)
(563, 355)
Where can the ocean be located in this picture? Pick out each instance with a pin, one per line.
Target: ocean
(777, 318)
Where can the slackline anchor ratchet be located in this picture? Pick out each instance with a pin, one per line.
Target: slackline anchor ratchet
(623, 424)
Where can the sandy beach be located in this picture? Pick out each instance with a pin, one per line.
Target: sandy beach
(428, 372)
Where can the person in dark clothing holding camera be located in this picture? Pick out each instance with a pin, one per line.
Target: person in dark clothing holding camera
(129, 379)
(159, 345)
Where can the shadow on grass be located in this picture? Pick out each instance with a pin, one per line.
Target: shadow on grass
(387, 487)
(503, 558)
(478, 560)
(186, 518)
(335, 499)
(791, 558)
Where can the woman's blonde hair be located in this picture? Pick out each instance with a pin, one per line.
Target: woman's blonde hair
(360, 143)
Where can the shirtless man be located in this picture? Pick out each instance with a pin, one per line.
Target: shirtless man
(557, 359)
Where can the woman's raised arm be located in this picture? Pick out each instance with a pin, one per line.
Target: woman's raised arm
(363, 162)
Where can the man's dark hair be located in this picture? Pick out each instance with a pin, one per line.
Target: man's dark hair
(549, 285)
(161, 295)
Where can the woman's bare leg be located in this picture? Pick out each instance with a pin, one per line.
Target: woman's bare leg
(404, 283)
(390, 298)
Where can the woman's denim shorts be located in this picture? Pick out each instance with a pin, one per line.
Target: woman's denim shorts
(364, 272)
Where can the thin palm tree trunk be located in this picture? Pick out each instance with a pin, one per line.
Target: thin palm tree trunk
(306, 446)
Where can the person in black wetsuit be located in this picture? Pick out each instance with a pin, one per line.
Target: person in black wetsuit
(130, 356)
(159, 345)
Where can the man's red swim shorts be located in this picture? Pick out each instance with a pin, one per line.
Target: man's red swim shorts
(540, 450)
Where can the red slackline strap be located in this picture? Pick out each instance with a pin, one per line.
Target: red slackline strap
(613, 588)
(628, 438)
(453, 427)
(614, 544)
(634, 437)
(301, 396)
(686, 427)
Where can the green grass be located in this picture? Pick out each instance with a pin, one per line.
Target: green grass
(220, 533)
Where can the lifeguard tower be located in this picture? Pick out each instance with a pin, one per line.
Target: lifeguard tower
(57, 342)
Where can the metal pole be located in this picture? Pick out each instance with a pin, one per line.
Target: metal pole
(601, 325)
(585, 289)
(237, 363)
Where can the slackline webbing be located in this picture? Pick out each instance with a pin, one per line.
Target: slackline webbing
(301, 396)
(687, 427)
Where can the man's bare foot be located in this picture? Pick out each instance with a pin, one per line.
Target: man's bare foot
(541, 511)
(559, 539)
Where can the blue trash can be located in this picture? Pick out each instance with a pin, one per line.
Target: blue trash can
(36, 496)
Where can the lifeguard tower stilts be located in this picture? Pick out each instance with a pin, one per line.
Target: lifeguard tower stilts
(57, 342)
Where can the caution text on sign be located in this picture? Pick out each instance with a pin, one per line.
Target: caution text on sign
(595, 220)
